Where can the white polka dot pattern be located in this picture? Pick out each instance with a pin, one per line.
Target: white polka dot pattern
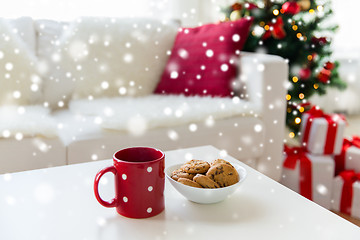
(125, 199)
(150, 188)
(149, 169)
(124, 176)
(149, 210)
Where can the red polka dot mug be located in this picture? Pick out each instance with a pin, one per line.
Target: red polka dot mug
(139, 182)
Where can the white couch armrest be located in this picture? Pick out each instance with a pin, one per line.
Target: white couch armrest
(265, 78)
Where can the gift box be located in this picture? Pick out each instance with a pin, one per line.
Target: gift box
(309, 175)
(322, 133)
(349, 158)
(346, 193)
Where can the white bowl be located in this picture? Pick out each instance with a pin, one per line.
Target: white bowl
(205, 195)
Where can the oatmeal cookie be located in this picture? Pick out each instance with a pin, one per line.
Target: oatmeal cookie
(179, 173)
(223, 174)
(205, 181)
(189, 182)
(196, 166)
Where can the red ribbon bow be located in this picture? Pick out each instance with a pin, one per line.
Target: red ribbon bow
(349, 177)
(275, 29)
(340, 159)
(299, 154)
(316, 112)
(355, 141)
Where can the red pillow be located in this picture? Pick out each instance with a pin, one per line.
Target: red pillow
(204, 59)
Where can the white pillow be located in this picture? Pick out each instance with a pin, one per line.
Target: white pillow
(55, 85)
(20, 83)
(24, 27)
(48, 34)
(107, 57)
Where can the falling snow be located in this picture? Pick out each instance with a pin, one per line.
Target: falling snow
(209, 53)
(104, 80)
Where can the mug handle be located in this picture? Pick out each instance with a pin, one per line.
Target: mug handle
(113, 202)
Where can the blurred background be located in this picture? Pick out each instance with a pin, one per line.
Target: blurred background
(345, 45)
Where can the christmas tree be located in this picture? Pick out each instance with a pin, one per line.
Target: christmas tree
(296, 31)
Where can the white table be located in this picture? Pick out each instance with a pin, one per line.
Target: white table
(58, 203)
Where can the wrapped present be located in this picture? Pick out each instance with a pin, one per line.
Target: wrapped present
(349, 158)
(309, 175)
(322, 133)
(346, 193)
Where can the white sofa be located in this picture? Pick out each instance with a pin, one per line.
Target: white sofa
(69, 106)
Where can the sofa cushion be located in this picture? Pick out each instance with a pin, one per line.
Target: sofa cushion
(74, 126)
(107, 57)
(20, 82)
(24, 27)
(28, 121)
(246, 146)
(106, 118)
(137, 115)
(204, 59)
(31, 153)
(95, 129)
(48, 35)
